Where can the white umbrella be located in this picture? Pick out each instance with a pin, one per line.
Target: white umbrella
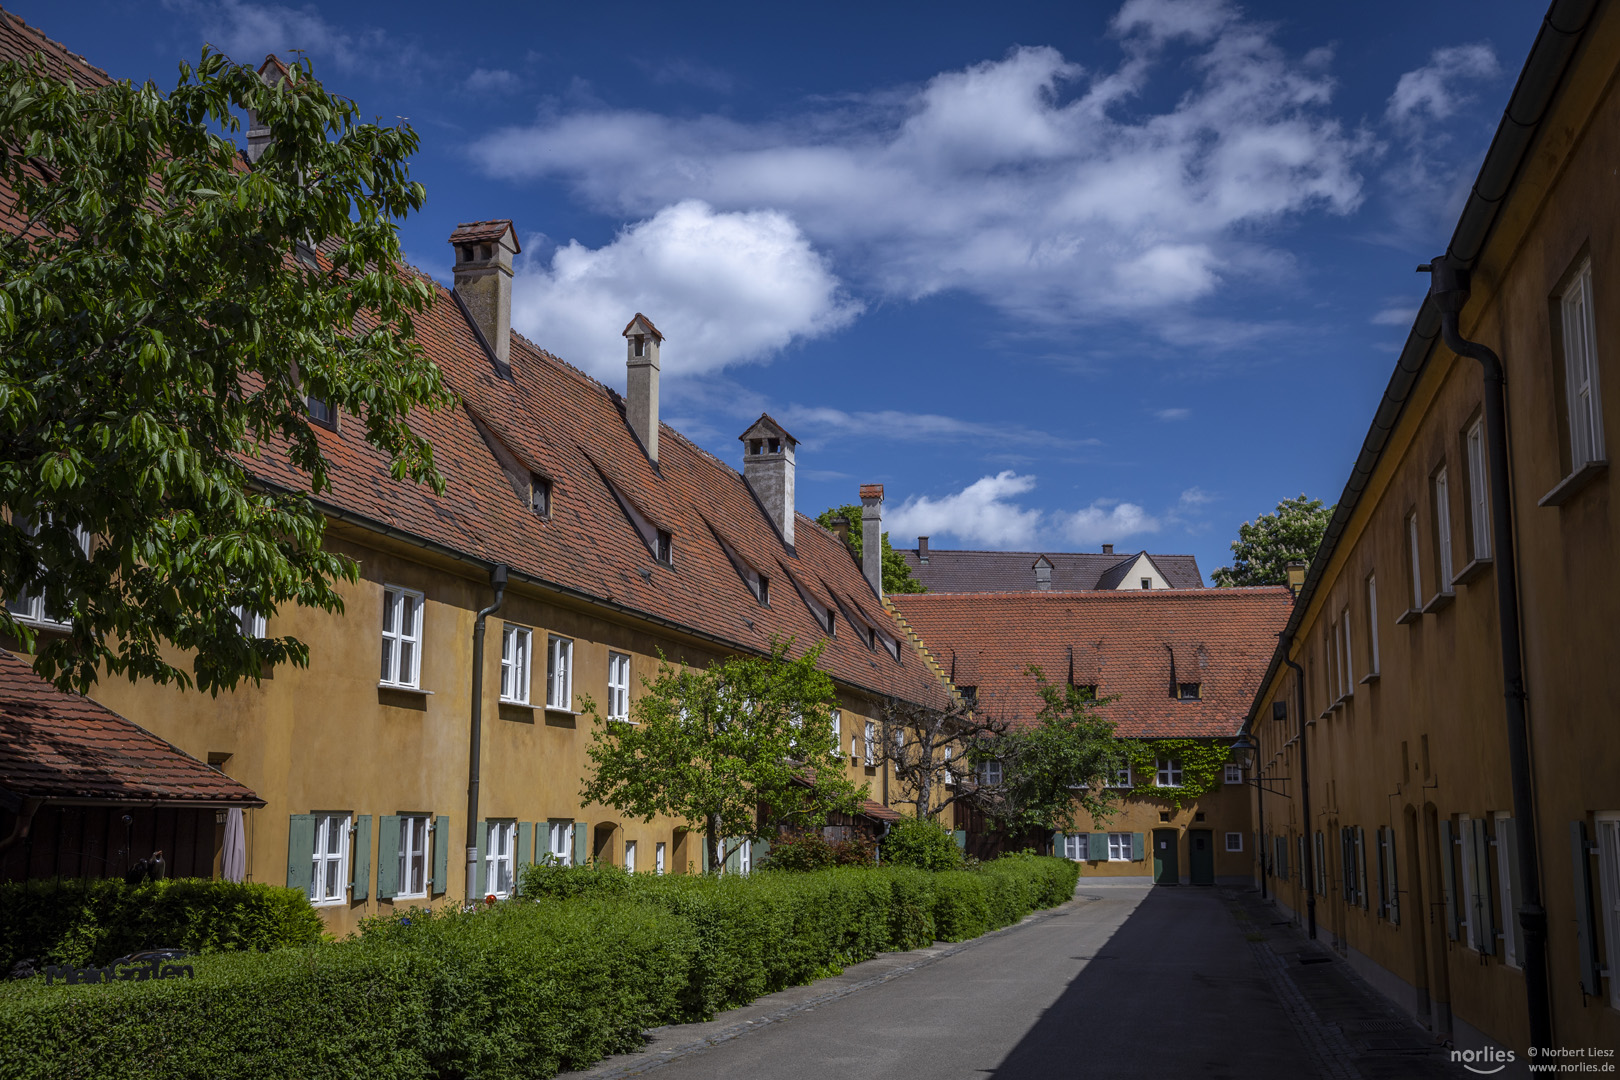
(233, 859)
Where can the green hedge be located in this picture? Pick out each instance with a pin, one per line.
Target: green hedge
(574, 972)
(93, 921)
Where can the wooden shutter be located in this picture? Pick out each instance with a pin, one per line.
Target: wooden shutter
(760, 850)
(524, 855)
(1507, 833)
(480, 871)
(301, 852)
(441, 855)
(1383, 878)
(1580, 854)
(1138, 845)
(581, 844)
(1392, 871)
(705, 867)
(1361, 866)
(960, 836)
(1448, 879)
(1097, 847)
(360, 858)
(387, 856)
(1057, 845)
(1483, 901)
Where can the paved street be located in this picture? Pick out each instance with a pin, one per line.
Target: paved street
(1128, 981)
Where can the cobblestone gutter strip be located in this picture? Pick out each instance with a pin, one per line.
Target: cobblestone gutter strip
(774, 1008)
(1325, 1043)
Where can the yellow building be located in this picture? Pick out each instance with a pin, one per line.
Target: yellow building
(1438, 712)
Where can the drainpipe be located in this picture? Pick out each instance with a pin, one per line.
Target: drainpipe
(1308, 864)
(1449, 288)
(497, 579)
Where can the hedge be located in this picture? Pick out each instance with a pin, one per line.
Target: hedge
(574, 972)
(94, 921)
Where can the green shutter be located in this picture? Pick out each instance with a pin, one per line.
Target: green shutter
(1585, 928)
(581, 844)
(960, 836)
(704, 869)
(387, 856)
(441, 855)
(1361, 859)
(1483, 899)
(1448, 878)
(1138, 845)
(1097, 847)
(1057, 845)
(480, 871)
(524, 856)
(1508, 833)
(1392, 872)
(301, 853)
(360, 858)
(762, 849)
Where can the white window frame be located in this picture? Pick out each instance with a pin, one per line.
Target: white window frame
(950, 773)
(1233, 774)
(560, 673)
(1167, 772)
(618, 686)
(500, 854)
(870, 746)
(745, 858)
(659, 850)
(517, 652)
(1505, 891)
(1234, 841)
(1345, 654)
(630, 856)
(990, 773)
(560, 841)
(1479, 492)
(838, 731)
(1415, 553)
(325, 859)
(401, 606)
(1119, 847)
(414, 833)
(1462, 841)
(854, 745)
(1123, 778)
(1582, 399)
(251, 623)
(1075, 846)
(1372, 621)
(1442, 525)
(1608, 845)
(30, 607)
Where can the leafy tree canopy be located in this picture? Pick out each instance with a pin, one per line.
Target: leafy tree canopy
(1267, 544)
(714, 747)
(897, 576)
(157, 334)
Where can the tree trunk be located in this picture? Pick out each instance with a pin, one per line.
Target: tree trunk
(717, 862)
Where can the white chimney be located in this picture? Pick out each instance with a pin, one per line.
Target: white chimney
(484, 251)
(641, 381)
(872, 535)
(768, 466)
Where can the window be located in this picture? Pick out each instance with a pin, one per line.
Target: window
(630, 856)
(1147, 583)
(838, 729)
(560, 673)
(1122, 778)
(1234, 841)
(413, 856)
(1321, 865)
(1372, 624)
(1074, 846)
(854, 746)
(320, 411)
(664, 547)
(950, 773)
(764, 593)
(401, 636)
(1169, 772)
(500, 844)
(1415, 569)
(1344, 654)
(560, 841)
(250, 622)
(1608, 845)
(1119, 847)
(970, 695)
(1467, 898)
(1507, 871)
(745, 857)
(871, 743)
(516, 643)
(1234, 774)
(618, 686)
(990, 773)
(1189, 691)
(539, 495)
(31, 607)
(1087, 691)
(330, 882)
(1442, 527)
(658, 857)
(899, 750)
(1580, 372)
(1479, 499)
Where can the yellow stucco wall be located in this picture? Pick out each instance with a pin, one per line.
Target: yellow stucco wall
(1221, 811)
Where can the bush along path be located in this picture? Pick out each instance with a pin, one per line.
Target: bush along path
(575, 971)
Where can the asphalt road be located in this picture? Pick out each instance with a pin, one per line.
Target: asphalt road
(1140, 982)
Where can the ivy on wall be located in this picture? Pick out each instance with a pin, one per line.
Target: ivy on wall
(1201, 761)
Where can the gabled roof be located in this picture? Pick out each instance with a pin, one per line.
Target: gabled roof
(1123, 642)
(646, 324)
(767, 426)
(478, 232)
(1115, 575)
(55, 745)
(951, 571)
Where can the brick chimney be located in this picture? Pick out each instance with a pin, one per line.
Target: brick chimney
(1108, 549)
(768, 466)
(922, 550)
(872, 535)
(642, 339)
(484, 251)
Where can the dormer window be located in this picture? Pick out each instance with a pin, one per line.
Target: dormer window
(970, 694)
(1189, 691)
(539, 495)
(1087, 691)
(321, 412)
(1147, 583)
(664, 548)
(764, 589)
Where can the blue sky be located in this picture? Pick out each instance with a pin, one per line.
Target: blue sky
(1055, 274)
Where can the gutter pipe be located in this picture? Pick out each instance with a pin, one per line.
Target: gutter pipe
(1449, 289)
(497, 579)
(1307, 865)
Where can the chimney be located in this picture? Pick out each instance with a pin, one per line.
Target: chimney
(1108, 549)
(872, 535)
(768, 466)
(642, 339)
(840, 528)
(1043, 573)
(484, 251)
(922, 550)
(1295, 569)
(273, 73)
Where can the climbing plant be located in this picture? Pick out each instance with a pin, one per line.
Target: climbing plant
(1201, 761)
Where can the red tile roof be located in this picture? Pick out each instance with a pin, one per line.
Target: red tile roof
(61, 746)
(473, 232)
(871, 491)
(1133, 645)
(954, 570)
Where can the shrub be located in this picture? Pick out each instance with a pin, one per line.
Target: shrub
(810, 851)
(93, 921)
(922, 843)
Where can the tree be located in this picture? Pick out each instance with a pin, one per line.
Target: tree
(1267, 544)
(713, 748)
(158, 334)
(930, 749)
(896, 574)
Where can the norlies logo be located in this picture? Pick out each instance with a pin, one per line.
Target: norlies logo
(1484, 1062)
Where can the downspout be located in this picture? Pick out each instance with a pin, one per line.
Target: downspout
(497, 578)
(1260, 836)
(1449, 288)
(1308, 863)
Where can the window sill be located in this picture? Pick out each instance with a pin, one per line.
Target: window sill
(1370, 678)
(560, 711)
(407, 896)
(1439, 602)
(1472, 572)
(1410, 615)
(1569, 485)
(400, 688)
(514, 703)
(621, 720)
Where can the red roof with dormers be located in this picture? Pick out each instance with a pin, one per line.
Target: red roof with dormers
(1134, 646)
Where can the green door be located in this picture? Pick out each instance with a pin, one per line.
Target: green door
(1165, 869)
(1201, 856)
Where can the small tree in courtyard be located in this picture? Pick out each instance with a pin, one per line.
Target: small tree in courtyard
(715, 748)
(930, 751)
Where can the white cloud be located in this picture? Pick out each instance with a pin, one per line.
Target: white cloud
(1439, 88)
(1395, 315)
(987, 513)
(724, 288)
(913, 427)
(493, 81)
(247, 32)
(1100, 523)
(1051, 192)
(1173, 414)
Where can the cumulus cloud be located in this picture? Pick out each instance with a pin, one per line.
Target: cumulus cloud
(1051, 192)
(1106, 522)
(724, 287)
(247, 32)
(1439, 88)
(988, 513)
